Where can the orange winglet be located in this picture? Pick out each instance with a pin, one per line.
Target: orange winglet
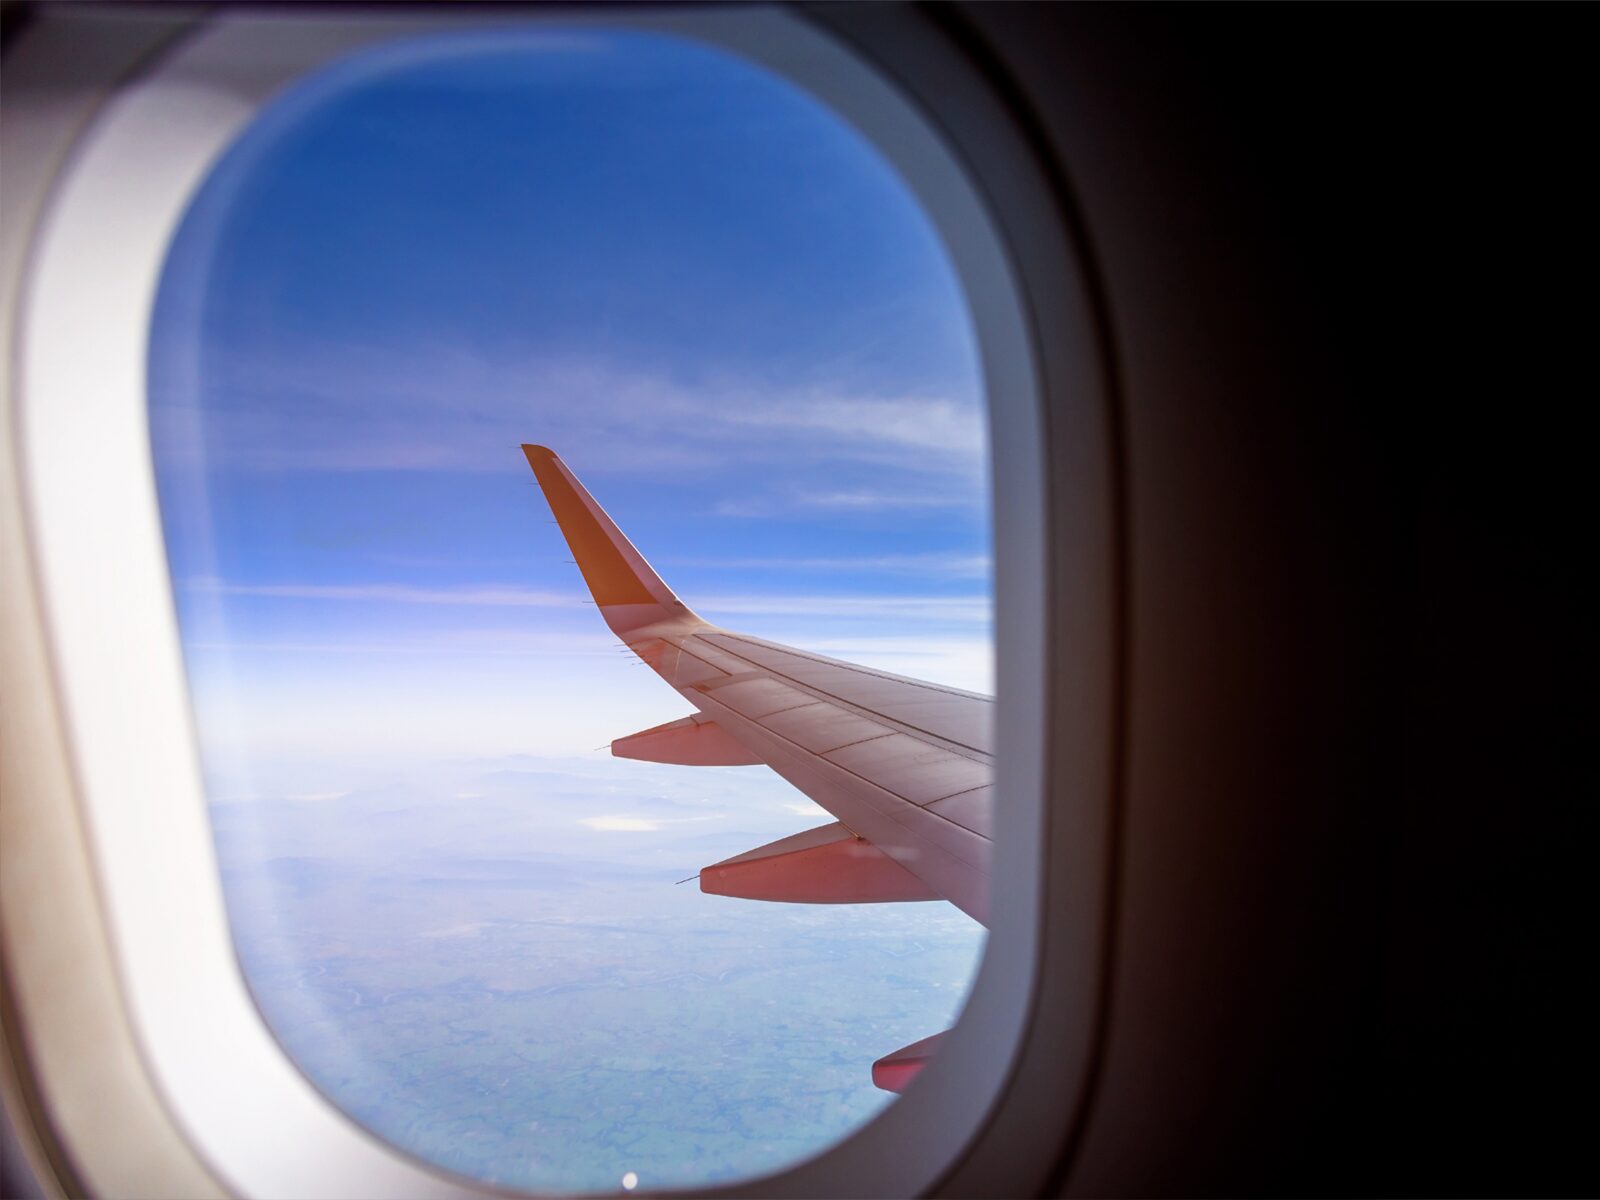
(627, 590)
(610, 578)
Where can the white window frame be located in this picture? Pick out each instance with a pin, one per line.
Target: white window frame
(98, 565)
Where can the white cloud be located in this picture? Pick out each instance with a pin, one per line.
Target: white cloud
(444, 407)
(869, 501)
(805, 808)
(925, 423)
(622, 824)
(491, 595)
(589, 641)
(904, 608)
(943, 566)
(786, 505)
(918, 607)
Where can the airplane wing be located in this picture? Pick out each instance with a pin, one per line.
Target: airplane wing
(903, 765)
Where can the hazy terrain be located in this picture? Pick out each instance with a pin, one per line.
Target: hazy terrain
(490, 983)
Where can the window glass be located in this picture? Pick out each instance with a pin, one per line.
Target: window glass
(728, 315)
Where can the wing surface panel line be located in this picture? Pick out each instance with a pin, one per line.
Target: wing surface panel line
(877, 737)
(729, 717)
(963, 792)
(961, 748)
(819, 694)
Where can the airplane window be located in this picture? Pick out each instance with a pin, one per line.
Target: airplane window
(485, 371)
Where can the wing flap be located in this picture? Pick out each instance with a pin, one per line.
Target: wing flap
(894, 1072)
(694, 741)
(826, 865)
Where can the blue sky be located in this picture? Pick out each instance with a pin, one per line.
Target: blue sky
(708, 294)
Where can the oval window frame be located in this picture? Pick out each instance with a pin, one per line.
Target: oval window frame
(101, 569)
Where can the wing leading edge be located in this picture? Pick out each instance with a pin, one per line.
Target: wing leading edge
(904, 766)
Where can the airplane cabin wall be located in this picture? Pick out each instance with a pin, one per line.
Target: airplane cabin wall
(1346, 917)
